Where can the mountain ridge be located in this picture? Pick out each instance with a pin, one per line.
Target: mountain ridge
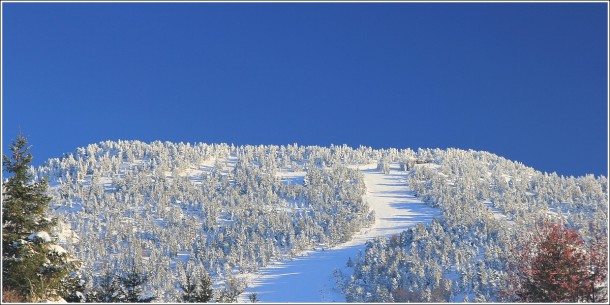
(229, 210)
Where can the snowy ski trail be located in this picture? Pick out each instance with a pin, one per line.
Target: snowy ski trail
(309, 278)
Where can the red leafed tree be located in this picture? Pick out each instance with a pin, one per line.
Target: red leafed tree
(557, 266)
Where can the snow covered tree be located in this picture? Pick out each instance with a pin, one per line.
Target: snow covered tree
(32, 265)
(124, 288)
(383, 166)
(132, 283)
(194, 292)
(188, 289)
(253, 297)
(233, 288)
(108, 290)
(597, 261)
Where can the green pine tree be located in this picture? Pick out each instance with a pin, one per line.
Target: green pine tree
(132, 282)
(188, 289)
(204, 293)
(32, 265)
(108, 290)
(194, 292)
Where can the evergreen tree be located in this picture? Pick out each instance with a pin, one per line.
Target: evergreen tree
(189, 289)
(77, 287)
(204, 293)
(349, 263)
(253, 297)
(108, 290)
(132, 283)
(31, 264)
(194, 292)
(233, 288)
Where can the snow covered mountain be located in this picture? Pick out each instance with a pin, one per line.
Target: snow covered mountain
(250, 214)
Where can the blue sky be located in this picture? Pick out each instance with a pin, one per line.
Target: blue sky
(526, 81)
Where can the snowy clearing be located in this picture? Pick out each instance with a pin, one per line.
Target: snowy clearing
(309, 278)
(289, 177)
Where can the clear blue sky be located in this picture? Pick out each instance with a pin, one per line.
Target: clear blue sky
(526, 81)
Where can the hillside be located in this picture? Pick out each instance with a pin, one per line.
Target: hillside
(228, 211)
(315, 272)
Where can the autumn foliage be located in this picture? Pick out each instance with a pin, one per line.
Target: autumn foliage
(557, 265)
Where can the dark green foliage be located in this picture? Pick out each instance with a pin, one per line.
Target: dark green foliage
(189, 288)
(126, 288)
(75, 288)
(205, 292)
(23, 202)
(30, 267)
(108, 290)
(197, 292)
(132, 283)
(349, 263)
(253, 297)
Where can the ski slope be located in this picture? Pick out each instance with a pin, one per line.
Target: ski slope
(309, 278)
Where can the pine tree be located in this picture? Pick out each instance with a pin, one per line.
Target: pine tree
(253, 297)
(132, 283)
(108, 290)
(204, 293)
(189, 288)
(197, 292)
(349, 263)
(31, 264)
(233, 288)
(77, 287)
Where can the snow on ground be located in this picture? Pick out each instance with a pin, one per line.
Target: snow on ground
(498, 214)
(309, 278)
(291, 177)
